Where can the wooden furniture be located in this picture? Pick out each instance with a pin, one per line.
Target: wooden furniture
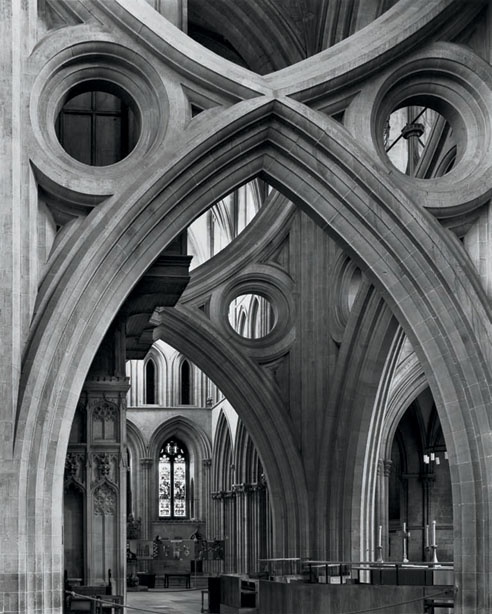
(177, 574)
(214, 594)
(238, 594)
(146, 579)
(77, 602)
(81, 604)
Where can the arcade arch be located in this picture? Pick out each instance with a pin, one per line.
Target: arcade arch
(356, 212)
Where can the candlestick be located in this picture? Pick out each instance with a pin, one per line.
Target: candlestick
(405, 557)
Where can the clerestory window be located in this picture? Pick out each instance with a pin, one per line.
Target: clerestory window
(185, 396)
(150, 382)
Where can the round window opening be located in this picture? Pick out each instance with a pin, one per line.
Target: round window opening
(97, 124)
(419, 142)
(251, 316)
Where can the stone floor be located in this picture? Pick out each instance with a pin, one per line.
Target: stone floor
(165, 601)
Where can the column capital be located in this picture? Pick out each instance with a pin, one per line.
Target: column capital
(106, 383)
(387, 464)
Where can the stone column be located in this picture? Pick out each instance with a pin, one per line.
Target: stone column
(250, 527)
(105, 405)
(21, 581)
(241, 526)
(254, 528)
(263, 537)
(384, 470)
(427, 482)
(217, 530)
(230, 535)
(204, 511)
(146, 500)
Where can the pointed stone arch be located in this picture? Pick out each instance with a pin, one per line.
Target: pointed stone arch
(161, 373)
(186, 430)
(426, 281)
(223, 456)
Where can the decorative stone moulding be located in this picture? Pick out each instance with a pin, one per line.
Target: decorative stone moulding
(275, 286)
(106, 66)
(105, 500)
(456, 83)
(192, 61)
(75, 470)
(105, 466)
(104, 411)
(397, 31)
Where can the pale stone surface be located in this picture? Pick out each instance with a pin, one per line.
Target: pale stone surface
(315, 395)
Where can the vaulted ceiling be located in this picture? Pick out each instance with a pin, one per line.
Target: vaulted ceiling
(267, 35)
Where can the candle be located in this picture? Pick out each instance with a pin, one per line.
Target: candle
(380, 536)
(404, 527)
(426, 535)
(433, 533)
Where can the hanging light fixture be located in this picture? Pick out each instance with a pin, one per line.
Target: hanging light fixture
(433, 457)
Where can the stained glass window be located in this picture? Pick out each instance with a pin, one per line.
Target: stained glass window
(173, 479)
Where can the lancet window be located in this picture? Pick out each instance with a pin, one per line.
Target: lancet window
(150, 382)
(185, 383)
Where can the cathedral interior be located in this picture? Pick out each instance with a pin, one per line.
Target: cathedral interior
(246, 283)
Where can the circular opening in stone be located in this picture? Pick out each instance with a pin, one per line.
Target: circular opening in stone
(98, 123)
(251, 316)
(419, 142)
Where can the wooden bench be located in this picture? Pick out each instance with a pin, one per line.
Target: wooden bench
(177, 574)
(81, 604)
(95, 602)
